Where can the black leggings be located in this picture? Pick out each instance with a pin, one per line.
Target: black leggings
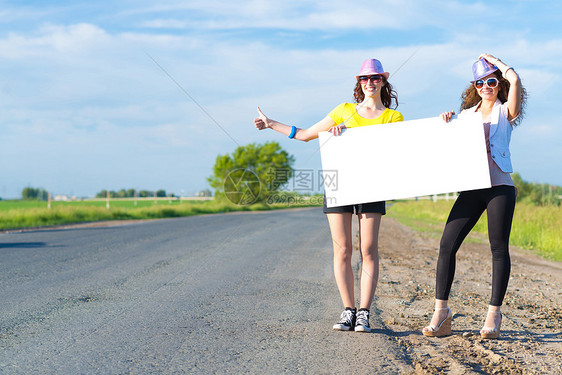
(499, 202)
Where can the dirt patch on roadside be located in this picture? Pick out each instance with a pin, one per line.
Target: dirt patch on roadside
(531, 336)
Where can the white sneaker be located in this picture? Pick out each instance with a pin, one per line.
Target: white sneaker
(362, 321)
(347, 320)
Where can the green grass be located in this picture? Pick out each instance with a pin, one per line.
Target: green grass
(121, 203)
(538, 228)
(534, 227)
(25, 214)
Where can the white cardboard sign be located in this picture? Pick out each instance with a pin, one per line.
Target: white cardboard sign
(404, 160)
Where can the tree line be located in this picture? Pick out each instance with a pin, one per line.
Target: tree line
(537, 194)
(30, 193)
(132, 193)
(530, 192)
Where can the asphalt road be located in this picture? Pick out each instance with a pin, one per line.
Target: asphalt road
(230, 293)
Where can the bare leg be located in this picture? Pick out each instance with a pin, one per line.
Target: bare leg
(369, 224)
(493, 319)
(441, 321)
(440, 312)
(340, 226)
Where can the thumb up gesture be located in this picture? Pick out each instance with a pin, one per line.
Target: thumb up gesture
(262, 121)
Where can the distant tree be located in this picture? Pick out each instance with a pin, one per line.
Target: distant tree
(251, 172)
(523, 187)
(205, 193)
(146, 193)
(103, 194)
(129, 193)
(538, 194)
(30, 193)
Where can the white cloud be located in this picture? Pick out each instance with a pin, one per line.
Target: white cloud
(51, 39)
(165, 24)
(301, 15)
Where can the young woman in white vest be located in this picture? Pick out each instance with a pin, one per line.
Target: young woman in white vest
(497, 94)
(373, 96)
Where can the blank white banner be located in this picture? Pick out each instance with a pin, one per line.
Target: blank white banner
(404, 160)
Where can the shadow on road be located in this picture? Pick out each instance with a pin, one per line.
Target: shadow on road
(22, 245)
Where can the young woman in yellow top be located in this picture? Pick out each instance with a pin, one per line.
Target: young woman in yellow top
(373, 95)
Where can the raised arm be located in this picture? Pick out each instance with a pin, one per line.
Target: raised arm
(514, 95)
(264, 122)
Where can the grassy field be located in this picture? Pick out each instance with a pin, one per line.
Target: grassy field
(15, 214)
(534, 227)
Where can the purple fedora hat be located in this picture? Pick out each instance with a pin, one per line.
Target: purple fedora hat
(482, 68)
(371, 67)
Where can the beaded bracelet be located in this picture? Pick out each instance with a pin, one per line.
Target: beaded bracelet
(293, 132)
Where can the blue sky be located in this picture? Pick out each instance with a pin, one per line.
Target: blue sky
(83, 107)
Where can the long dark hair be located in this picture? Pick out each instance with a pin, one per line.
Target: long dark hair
(388, 94)
(470, 97)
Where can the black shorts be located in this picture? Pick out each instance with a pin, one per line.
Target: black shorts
(360, 208)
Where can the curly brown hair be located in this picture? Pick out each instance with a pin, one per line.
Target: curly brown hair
(388, 94)
(470, 97)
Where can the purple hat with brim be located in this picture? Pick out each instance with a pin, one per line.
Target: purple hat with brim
(482, 68)
(371, 67)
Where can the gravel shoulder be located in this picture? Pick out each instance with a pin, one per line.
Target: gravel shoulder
(531, 340)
